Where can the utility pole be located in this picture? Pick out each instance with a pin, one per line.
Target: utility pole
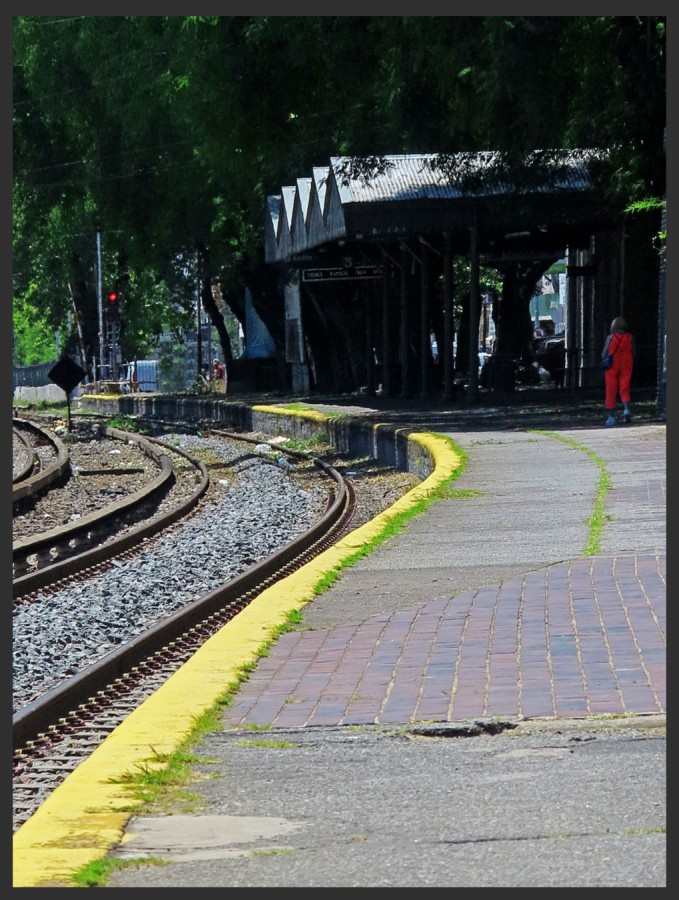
(101, 311)
(199, 336)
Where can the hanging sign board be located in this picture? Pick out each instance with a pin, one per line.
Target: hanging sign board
(341, 273)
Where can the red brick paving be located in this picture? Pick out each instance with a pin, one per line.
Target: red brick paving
(582, 638)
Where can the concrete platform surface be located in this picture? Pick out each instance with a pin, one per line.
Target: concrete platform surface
(481, 701)
(474, 704)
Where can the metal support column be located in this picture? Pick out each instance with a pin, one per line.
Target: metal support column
(386, 327)
(474, 313)
(425, 336)
(571, 320)
(405, 386)
(369, 344)
(446, 352)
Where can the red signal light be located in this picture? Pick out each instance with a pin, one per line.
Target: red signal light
(112, 296)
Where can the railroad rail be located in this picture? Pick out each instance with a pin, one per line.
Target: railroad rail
(83, 710)
(28, 481)
(32, 462)
(69, 549)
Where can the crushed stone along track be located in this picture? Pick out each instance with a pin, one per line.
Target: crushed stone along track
(101, 470)
(44, 754)
(165, 485)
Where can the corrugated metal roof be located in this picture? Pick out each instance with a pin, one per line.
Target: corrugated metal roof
(425, 177)
(342, 188)
(406, 177)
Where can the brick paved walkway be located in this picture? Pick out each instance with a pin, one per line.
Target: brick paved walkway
(582, 638)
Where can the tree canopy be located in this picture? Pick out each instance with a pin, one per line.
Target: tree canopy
(165, 134)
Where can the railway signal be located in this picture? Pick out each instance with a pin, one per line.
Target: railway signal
(113, 315)
(113, 304)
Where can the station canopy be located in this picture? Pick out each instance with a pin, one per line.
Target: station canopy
(532, 205)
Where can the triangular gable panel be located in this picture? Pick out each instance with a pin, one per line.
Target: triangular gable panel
(335, 226)
(320, 176)
(288, 193)
(271, 228)
(344, 185)
(315, 221)
(303, 196)
(298, 232)
(284, 228)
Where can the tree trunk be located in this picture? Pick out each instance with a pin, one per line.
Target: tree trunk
(209, 304)
(513, 322)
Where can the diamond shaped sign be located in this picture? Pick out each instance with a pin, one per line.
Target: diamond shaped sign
(66, 374)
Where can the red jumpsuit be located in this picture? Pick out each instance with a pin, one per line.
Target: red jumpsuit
(619, 375)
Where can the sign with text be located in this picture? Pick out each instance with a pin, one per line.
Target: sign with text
(341, 273)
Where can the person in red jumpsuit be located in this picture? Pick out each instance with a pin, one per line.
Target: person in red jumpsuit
(620, 343)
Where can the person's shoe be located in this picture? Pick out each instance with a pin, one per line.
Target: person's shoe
(610, 421)
(627, 418)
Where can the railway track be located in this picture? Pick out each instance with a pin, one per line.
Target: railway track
(52, 734)
(26, 460)
(45, 459)
(45, 559)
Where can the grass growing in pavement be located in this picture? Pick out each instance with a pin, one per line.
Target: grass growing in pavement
(598, 518)
(162, 784)
(155, 787)
(58, 407)
(329, 414)
(162, 780)
(96, 874)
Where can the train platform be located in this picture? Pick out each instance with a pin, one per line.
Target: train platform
(479, 701)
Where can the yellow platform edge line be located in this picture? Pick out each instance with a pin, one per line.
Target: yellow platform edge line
(85, 817)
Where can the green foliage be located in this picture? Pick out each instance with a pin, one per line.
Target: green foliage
(313, 442)
(165, 134)
(652, 204)
(127, 423)
(490, 279)
(98, 873)
(34, 340)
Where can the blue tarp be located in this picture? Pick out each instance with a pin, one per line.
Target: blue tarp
(258, 342)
